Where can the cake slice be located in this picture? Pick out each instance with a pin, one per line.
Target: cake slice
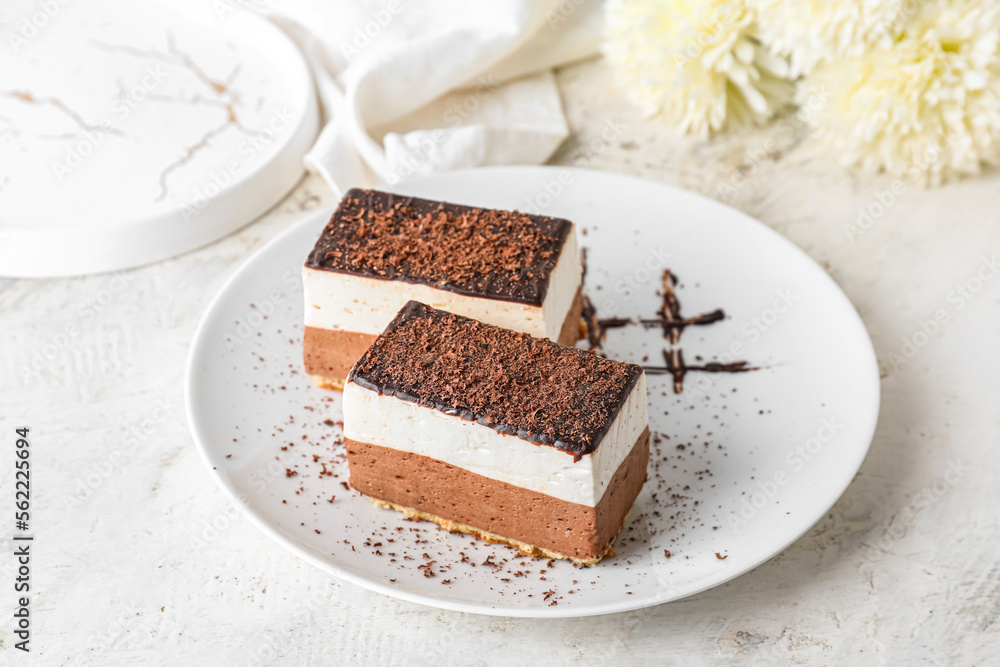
(380, 250)
(491, 432)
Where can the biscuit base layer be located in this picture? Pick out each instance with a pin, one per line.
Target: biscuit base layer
(329, 383)
(329, 355)
(486, 536)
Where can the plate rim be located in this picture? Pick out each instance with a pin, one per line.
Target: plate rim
(544, 612)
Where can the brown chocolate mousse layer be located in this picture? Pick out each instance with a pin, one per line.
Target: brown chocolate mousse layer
(480, 252)
(521, 515)
(570, 332)
(329, 355)
(508, 381)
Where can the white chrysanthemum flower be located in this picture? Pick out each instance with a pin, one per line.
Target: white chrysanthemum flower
(809, 32)
(928, 107)
(695, 62)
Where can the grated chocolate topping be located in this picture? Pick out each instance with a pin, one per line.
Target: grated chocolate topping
(491, 253)
(515, 384)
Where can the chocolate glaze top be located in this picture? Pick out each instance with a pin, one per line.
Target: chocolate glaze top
(515, 384)
(480, 252)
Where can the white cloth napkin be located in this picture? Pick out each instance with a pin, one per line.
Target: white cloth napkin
(409, 88)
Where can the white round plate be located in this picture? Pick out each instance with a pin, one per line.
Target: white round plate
(741, 464)
(135, 131)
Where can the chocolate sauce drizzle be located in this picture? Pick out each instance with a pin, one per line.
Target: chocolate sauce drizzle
(674, 358)
(673, 324)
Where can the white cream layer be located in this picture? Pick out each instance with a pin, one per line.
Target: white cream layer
(387, 421)
(345, 302)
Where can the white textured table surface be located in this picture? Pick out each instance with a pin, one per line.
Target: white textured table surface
(139, 559)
